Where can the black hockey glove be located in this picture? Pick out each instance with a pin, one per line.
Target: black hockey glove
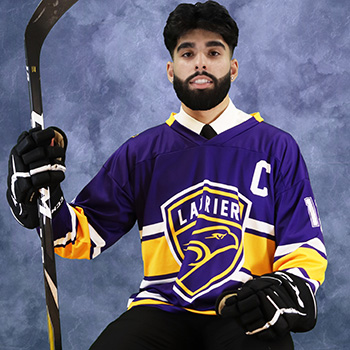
(271, 305)
(35, 162)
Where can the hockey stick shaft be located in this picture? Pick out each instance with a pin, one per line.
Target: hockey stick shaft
(44, 18)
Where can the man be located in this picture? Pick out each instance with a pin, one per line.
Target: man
(231, 240)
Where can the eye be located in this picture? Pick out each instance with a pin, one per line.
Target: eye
(187, 54)
(214, 53)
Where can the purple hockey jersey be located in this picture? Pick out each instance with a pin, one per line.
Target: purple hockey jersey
(211, 213)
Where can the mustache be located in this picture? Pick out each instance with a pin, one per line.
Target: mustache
(214, 79)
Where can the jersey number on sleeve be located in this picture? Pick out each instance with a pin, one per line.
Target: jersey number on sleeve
(311, 208)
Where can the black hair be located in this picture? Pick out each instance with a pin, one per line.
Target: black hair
(209, 15)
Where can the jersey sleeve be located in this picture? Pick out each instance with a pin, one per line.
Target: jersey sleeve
(299, 239)
(99, 216)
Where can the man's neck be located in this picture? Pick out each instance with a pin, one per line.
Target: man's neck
(210, 115)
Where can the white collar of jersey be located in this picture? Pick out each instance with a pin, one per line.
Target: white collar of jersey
(230, 117)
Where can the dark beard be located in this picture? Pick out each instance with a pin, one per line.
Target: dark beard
(202, 100)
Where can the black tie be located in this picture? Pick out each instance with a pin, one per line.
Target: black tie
(208, 132)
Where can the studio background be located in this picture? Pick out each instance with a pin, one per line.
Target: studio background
(104, 80)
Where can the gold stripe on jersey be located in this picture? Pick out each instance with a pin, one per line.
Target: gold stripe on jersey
(311, 261)
(146, 302)
(155, 251)
(171, 119)
(258, 117)
(81, 247)
(209, 312)
(258, 254)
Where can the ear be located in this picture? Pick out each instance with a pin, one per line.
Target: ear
(234, 70)
(170, 71)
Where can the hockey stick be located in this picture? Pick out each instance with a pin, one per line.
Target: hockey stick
(44, 18)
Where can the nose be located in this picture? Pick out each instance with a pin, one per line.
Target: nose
(201, 63)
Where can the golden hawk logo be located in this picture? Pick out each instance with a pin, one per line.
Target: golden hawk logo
(204, 226)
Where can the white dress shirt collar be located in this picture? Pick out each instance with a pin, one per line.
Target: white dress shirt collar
(229, 118)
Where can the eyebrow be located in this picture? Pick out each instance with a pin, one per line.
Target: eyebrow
(191, 45)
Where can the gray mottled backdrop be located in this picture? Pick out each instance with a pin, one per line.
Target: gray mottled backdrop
(104, 79)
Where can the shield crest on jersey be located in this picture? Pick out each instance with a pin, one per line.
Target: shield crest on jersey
(204, 226)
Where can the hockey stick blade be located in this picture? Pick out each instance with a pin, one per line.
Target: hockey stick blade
(44, 18)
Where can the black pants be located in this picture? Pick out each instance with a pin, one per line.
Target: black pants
(149, 328)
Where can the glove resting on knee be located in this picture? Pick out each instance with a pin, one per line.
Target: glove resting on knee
(271, 305)
(36, 161)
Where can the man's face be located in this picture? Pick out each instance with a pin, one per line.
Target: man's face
(202, 69)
